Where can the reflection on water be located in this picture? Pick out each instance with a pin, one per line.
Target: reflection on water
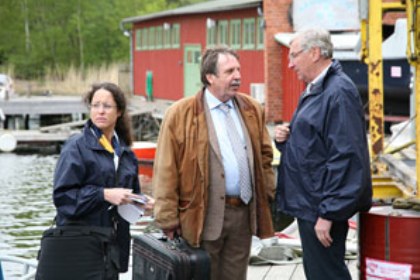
(26, 207)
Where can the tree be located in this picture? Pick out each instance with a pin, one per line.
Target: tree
(36, 35)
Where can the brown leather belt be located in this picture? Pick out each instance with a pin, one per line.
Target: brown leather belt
(234, 201)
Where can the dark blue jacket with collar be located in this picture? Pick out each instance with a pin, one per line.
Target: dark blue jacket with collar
(83, 170)
(325, 167)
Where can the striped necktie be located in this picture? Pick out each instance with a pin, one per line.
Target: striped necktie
(239, 149)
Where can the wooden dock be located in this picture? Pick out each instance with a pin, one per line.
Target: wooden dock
(22, 107)
(59, 105)
(43, 105)
(139, 105)
(289, 272)
(273, 272)
(37, 136)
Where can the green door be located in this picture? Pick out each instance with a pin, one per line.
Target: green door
(192, 59)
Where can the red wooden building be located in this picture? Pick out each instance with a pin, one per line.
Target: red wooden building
(167, 47)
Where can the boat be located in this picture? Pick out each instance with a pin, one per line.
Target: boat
(145, 152)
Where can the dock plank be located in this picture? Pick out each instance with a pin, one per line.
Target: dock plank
(290, 271)
(299, 273)
(58, 105)
(32, 136)
(280, 272)
(45, 105)
(258, 271)
(353, 266)
(272, 272)
(157, 108)
(62, 126)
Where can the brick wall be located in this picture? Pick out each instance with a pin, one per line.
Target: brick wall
(276, 20)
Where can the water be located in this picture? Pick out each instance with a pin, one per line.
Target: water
(26, 207)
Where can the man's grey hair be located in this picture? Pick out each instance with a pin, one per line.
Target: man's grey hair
(316, 37)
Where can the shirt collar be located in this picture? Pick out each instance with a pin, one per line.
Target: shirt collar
(213, 102)
(321, 75)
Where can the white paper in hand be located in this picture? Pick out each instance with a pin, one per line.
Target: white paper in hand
(130, 212)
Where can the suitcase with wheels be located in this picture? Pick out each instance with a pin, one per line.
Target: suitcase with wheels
(157, 258)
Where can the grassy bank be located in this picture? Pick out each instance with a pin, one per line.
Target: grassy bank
(74, 81)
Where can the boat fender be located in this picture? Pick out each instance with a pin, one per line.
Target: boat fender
(8, 142)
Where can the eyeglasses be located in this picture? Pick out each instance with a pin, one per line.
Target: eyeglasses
(98, 106)
(293, 56)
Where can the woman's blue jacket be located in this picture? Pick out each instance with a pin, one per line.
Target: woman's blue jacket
(84, 169)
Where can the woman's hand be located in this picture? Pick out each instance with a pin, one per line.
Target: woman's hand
(118, 196)
(143, 200)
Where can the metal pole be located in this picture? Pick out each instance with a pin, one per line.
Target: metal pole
(412, 101)
(131, 42)
(416, 91)
(375, 70)
(416, 88)
(413, 54)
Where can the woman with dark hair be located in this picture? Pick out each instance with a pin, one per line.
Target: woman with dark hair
(97, 170)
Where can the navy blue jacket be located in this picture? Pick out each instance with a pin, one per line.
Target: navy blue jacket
(325, 168)
(83, 170)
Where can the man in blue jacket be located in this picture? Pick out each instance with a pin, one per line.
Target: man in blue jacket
(324, 174)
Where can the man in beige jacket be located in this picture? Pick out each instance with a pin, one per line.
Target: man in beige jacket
(212, 187)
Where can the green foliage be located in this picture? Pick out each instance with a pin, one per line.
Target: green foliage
(36, 35)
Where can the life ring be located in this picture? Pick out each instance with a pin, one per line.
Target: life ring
(8, 142)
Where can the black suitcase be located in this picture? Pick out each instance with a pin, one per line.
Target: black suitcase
(157, 258)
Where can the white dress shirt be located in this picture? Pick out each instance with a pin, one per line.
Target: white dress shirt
(230, 164)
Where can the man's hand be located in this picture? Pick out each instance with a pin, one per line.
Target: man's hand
(171, 233)
(281, 133)
(322, 230)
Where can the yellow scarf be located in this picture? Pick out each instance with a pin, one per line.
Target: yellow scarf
(113, 148)
(105, 143)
